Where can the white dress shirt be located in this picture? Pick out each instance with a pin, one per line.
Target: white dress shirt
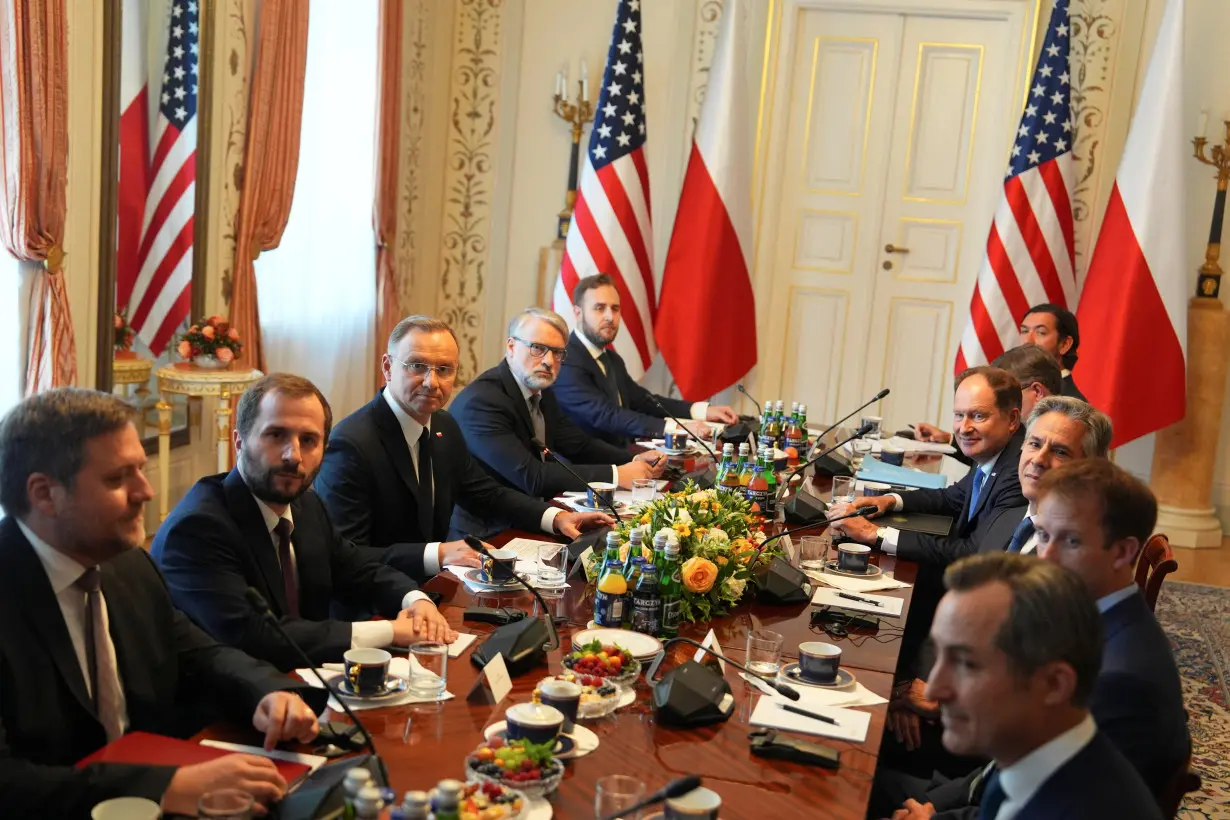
(526, 392)
(1106, 602)
(63, 572)
(1031, 543)
(699, 410)
(891, 534)
(374, 634)
(412, 430)
(1022, 779)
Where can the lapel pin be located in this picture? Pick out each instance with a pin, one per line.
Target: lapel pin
(439, 434)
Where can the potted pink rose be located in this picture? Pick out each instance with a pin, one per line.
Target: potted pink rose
(211, 343)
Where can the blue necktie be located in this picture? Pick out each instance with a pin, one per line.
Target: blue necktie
(1023, 532)
(993, 797)
(980, 478)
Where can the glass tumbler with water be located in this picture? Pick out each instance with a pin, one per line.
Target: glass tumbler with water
(225, 804)
(551, 560)
(764, 652)
(843, 489)
(428, 669)
(615, 792)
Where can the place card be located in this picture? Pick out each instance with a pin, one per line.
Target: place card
(492, 684)
(711, 642)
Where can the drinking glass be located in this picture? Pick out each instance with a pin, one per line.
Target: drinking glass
(428, 669)
(225, 804)
(615, 792)
(843, 489)
(644, 490)
(814, 551)
(764, 652)
(552, 559)
(861, 447)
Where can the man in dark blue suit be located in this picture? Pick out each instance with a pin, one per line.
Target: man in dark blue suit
(1019, 643)
(395, 469)
(594, 387)
(1054, 329)
(262, 526)
(510, 412)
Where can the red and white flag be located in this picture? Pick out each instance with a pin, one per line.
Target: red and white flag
(1133, 306)
(611, 230)
(1031, 247)
(157, 185)
(707, 281)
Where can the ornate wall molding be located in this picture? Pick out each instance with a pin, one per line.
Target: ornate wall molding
(470, 175)
(236, 19)
(415, 78)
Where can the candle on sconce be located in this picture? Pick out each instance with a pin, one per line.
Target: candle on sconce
(559, 84)
(584, 80)
(1202, 123)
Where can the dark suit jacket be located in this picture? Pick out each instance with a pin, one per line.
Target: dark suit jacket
(1001, 491)
(586, 397)
(174, 676)
(1070, 389)
(496, 422)
(367, 484)
(215, 545)
(1098, 782)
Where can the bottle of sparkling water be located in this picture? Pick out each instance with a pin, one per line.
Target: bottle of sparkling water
(612, 587)
(770, 475)
(744, 452)
(779, 439)
(670, 588)
(728, 460)
(770, 427)
(647, 602)
(746, 473)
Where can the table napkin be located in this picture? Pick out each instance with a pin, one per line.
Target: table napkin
(848, 584)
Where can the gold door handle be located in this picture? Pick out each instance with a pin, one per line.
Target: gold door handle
(891, 248)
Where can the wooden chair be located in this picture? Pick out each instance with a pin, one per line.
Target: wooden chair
(1182, 782)
(1155, 563)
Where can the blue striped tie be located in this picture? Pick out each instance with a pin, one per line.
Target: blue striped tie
(1023, 532)
(980, 478)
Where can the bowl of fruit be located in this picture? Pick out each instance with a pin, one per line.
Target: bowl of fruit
(598, 697)
(517, 764)
(486, 800)
(605, 661)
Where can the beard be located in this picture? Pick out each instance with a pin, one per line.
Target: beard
(597, 335)
(261, 477)
(536, 380)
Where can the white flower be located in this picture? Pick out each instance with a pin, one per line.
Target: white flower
(698, 497)
(717, 536)
(734, 586)
(671, 535)
(683, 517)
(759, 537)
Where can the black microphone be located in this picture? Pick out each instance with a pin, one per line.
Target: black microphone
(546, 451)
(258, 602)
(676, 788)
(703, 443)
(859, 433)
(553, 642)
(873, 400)
(783, 689)
(743, 390)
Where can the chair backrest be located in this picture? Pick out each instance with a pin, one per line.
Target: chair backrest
(1155, 563)
(1183, 781)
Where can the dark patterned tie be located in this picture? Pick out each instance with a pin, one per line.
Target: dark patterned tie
(426, 485)
(993, 796)
(612, 383)
(537, 419)
(281, 531)
(1023, 532)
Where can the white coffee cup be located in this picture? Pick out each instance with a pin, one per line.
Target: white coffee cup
(696, 804)
(126, 808)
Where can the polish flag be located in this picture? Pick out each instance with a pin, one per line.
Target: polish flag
(1133, 307)
(706, 312)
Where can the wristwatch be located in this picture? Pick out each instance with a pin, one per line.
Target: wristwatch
(881, 532)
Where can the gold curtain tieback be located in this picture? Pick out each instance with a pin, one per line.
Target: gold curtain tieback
(55, 259)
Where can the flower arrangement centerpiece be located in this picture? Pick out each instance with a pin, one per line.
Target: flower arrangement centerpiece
(124, 335)
(718, 537)
(211, 343)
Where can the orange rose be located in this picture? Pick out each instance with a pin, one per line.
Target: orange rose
(215, 319)
(233, 335)
(224, 354)
(194, 329)
(207, 332)
(184, 350)
(698, 574)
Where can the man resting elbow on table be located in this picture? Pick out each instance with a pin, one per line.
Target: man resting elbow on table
(262, 526)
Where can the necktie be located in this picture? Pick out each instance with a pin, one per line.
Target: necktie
(1023, 532)
(424, 496)
(100, 658)
(993, 796)
(612, 385)
(536, 417)
(980, 478)
(281, 532)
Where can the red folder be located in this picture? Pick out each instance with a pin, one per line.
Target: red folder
(159, 750)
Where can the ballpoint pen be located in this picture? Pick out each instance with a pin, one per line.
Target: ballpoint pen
(789, 707)
(850, 597)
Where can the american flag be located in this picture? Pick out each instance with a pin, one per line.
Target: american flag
(611, 230)
(1030, 254)
(157, 187)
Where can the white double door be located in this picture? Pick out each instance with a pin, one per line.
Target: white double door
(887, 141)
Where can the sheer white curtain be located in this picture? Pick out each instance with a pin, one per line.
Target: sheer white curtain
(14, 314)
(317, 289)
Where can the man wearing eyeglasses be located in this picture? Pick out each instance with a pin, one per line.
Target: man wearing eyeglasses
(509, 413)
(395, 469)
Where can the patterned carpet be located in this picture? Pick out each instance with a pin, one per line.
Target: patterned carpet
(1197, 619)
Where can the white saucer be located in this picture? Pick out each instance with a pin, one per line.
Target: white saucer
(873, 571)
(582, 740)
(790, 674)
(639, 645)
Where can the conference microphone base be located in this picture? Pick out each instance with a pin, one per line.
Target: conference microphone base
(692, 694)
(321, 795)
(521, 643)
(780, 584)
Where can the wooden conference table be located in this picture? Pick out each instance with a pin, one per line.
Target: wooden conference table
(422, 744)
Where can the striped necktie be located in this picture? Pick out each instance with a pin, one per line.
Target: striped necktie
(1023, 532)
(980, 478)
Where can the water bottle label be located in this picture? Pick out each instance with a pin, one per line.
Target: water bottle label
(767, 441)
(798, 443)
(645, 618)
(759, 497)
(608, 610)
(670, 614)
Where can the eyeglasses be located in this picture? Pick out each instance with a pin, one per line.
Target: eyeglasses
(422, 369)
(539, 351)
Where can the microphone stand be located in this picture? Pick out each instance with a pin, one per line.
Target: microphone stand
(873, 400)
(553, 636)
(860, 432)
(783, 689)
(676, 788)
(743, 390)
(259, 603)
(703, 443)
(549, 453)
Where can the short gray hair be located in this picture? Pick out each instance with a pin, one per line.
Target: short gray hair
(421, 323)
(47, 434)
(549, 316)
(1043, 595)
(1098, 427)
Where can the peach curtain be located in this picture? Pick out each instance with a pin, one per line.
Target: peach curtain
(34, 163)
(270, 158)
(384, 209)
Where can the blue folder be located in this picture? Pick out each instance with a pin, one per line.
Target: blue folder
(878, 471)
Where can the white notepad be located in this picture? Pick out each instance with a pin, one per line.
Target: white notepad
(826, 596)
(851, 725)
